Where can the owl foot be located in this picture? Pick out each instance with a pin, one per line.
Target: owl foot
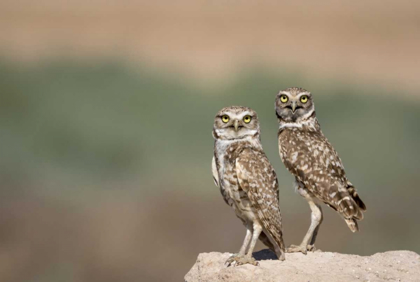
(312, 248)
(301, 248)
(237, 260)
(282, 257)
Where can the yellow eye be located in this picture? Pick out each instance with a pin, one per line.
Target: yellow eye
(225, 118)
(284, 98)
(247, 119)
(304, 99)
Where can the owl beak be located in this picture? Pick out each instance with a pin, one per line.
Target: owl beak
(294, 106)
(236, 125)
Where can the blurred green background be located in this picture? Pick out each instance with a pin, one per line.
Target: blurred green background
(105, 155)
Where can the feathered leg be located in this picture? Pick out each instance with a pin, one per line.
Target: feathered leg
(316, 220)
(247, 239)
(255, 235)
(251, 238)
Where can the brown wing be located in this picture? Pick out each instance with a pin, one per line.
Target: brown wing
(312, 159)
(258, 179)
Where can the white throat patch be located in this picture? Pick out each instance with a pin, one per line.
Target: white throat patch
(299, 124)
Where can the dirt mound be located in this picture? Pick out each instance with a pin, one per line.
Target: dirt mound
(318, 266)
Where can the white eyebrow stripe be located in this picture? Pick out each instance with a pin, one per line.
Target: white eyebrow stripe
(240, 115)
(303, 93)
(246, 114)
(297, 96)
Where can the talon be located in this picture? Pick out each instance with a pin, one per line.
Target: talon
(302, 249)
(282, 257)
(237, 260)
(297, 249)
(231, 261)
(311, 248)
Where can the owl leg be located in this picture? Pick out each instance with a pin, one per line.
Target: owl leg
(241, 258)
(255, 236)
(247, 239)
(316, 220)
(315, 233)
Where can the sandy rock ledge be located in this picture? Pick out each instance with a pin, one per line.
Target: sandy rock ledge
(319, 266)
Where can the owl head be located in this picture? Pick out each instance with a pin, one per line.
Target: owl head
(236, 122)
(294, 105)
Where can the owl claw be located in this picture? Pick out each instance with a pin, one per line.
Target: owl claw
(297, 249)
(301, 248)
(312, 248)
(237, 260)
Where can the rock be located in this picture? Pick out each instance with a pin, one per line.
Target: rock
(313, 267)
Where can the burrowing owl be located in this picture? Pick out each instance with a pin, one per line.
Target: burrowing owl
(247, 180)
(318, 170)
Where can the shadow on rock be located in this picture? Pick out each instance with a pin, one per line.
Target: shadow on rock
(265, 255)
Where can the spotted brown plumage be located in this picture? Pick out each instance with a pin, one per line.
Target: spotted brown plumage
(318, 170)
(247, 180)
(258, 179)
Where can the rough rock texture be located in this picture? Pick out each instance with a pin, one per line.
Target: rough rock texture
(318, 266)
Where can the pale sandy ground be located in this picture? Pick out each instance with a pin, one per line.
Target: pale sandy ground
(314, 267)
(362, 42)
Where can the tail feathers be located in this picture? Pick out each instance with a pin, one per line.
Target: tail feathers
(356, 198)
(279, 251)
(350, 206)
(349, 209)
(263, 238)
(352, 224)
(351, 212)
(277, 236)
